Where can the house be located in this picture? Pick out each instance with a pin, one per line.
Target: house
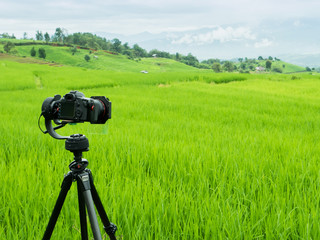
(260, 69)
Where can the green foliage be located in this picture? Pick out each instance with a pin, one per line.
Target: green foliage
(42, 53)
(228, 66)
(190, 60)
(47, 37)
(39, 36)
(277, 69)
(73, 50)
(87, 57)
(268, 64)
(59, 35)
(8, 46)
(33, 52)
(116, 45)
(7, 36)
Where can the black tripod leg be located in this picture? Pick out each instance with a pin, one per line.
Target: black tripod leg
(84, 184)
(66, 184)
(109, 227)
(82, 213)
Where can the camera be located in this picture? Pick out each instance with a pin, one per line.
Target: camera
(75, 107)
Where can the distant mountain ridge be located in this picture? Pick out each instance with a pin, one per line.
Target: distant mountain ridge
(293, 40)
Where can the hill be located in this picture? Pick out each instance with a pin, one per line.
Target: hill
(102, 60)
(112, 61)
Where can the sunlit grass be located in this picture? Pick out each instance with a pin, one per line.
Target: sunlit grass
(181, 158)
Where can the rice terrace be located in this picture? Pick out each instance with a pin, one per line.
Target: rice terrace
(189, 153)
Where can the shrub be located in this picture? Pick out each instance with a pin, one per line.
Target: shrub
(42, 53)
(277, 69)
(8, 46)
(87, 57)
(33, 52)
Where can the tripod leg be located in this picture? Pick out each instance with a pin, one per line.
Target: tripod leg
(85, 186)
(66, 184)
(82, 213)
(109, 227)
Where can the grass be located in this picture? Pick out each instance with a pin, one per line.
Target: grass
(181, 158)
(105, 61)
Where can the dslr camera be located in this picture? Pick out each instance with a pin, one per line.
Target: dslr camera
(75, 107)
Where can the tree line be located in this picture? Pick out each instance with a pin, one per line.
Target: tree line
(94, 42)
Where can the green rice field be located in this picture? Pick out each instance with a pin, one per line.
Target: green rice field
(188, 154)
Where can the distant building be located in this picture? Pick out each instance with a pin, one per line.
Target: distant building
(144, 71)
(260, 69)
(154, 55)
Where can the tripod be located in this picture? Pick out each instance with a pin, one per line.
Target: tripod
(87, 193)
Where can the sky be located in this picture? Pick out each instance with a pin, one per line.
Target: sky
(129, 17)
(135, 16)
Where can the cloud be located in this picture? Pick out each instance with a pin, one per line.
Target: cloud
(263, 43)
(220, 34)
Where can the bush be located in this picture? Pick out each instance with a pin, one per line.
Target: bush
(42, 53)
(277, 69)
(294, 77)
(8, 46)
(33, 52)
(87, 57)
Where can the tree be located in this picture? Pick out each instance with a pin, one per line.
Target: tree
(260, 58)
(58, 35)
(138, 51)
(268, 64)
(116, 45)
(251, 67)
(87, 57)
(6, 35)
(308, 69)
(177, 56)
(190, 60)
(240, 59)
(39, 36)
(8, 46)
(216, 67)
(33, 52)
(46, 37)
(25, 35)
(126, 46)
(270, 58)
(243, 66)
(42, 53)
(73, 50)
(228, 66)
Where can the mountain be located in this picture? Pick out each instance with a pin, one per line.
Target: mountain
(295, 39)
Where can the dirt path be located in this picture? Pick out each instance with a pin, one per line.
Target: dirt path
(9, 57)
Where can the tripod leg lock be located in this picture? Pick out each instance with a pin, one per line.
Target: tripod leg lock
(111, 229)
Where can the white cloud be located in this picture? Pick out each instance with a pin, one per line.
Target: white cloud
(263, 43)
(220, 34)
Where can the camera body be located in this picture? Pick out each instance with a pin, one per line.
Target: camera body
(75, 107)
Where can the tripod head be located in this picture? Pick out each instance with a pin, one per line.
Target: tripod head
(77, 144)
